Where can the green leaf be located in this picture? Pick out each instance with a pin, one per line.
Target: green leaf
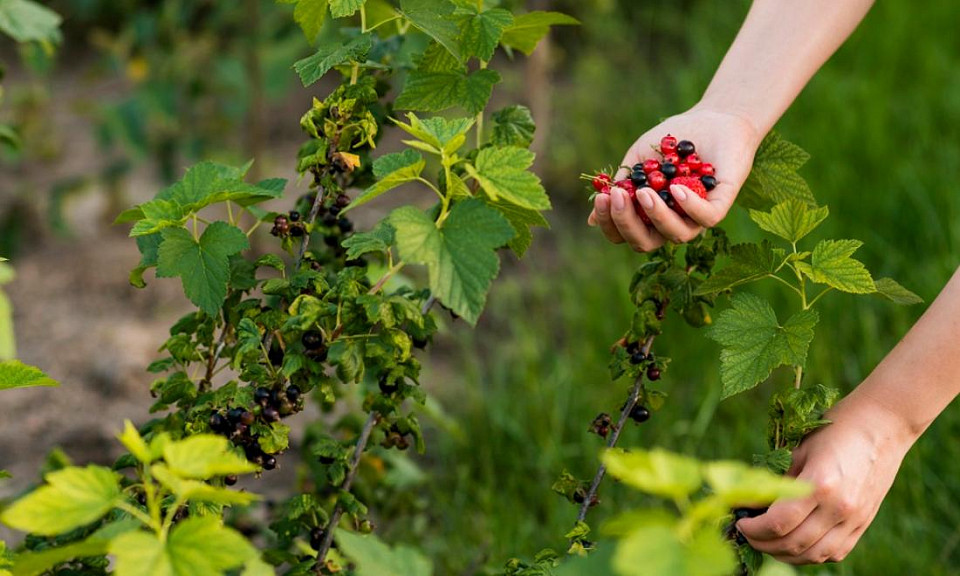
(436, 58)
(133, 442)
(207, 183)
(790, 220)
(740, 485)
(197, 491)
(891, 290)
(774, 176)
(522, 220)
(8, 342)
(754, 343)
(149, 246)
(71, 498)
(312, 68)
(438, 91)
(202, 266)
(27, 21)
(655, 471)
(439, 133)
(198, 546)
(374, 558)
(204, 456)
(391, 171)
(480, 30)
(97, 544)
(461, 256)
(529, 29)
(310, 14)
(748, 262)
(344, 8)
(16, 374)
(377, 240)
(831, 264)
(503, 175)
(434, 18)
(513, 126)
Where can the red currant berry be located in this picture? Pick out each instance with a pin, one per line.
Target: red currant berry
(671, 158)
(601, 181)
(656, 180)
(651, 165)
(627, 185)
(684, 170)
(694, 161)
(668, 144)
(706, 169)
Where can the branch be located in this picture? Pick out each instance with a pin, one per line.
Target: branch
(314, 210)
(347, 483)
(615, 435)
(206, 383)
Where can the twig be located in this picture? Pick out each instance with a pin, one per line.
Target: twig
(347, 483)
(615, 435)
(305, 239)
(214, 356)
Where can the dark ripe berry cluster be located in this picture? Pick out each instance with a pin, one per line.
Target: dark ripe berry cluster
(288, 225)
(395, 439)
(679, 164)
(601, 425)
(237, 423)
(314, 346)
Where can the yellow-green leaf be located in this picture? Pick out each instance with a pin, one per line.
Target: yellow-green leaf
(204, 456)
(831, 264)
(655, 471)
(791, 219)
(71, 498)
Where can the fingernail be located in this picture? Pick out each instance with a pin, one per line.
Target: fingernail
(678, 193)
(646, 200)
(603, 204)
(619, 199)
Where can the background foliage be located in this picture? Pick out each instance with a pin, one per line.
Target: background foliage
(514, 398)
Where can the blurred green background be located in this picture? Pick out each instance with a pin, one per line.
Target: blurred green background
(515, 397)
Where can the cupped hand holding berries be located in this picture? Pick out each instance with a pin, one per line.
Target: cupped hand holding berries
(727, 141)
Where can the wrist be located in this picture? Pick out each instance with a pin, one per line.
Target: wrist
(749, 125)
(885, 424)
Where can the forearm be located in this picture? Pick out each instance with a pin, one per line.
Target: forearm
(779, 48)
(921, 375)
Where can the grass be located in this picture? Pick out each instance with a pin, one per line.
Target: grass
(881, 123)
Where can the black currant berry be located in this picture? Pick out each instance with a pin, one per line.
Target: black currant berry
(280, 220)
(275, 356)
(247, 418)
(420, 343)
(640, 414)
(230, 480)
(685, 148)
(261, 396)
(296, 231)
(709, 182)
(318, 355)
(293, 393)
(269, 463)
(633, 347)
(653, 373)
(294, 216)
(346, 226)
(234, 414)
(312, 339)
(741, 513)
(327, 460)
(579, 495)
(316, 538)
(639, 179)
(666, 197)
(669, 170)
(637, 358)
(329, 219)
(335, 210)
(271, 414)
(388, 386)
(217, 422)
(342, 201)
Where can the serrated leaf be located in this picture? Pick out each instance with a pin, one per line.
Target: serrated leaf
(345, 8)
(522, 220)
(309, 15)
(207, 183)
(198, 546)
(529, 29)
(149, 247)
(777, 461)
(197, 491)
(774, 177)
(71, 498)
(204, 456)
(480, 30)
(133, 442)
(438, 133)
(461, 256)
(97, 544)
(748, 262)
(513, 126)
(374, 558)
(754, 343)
(655, 471)
(204, 266)
(391, 171)
(438, 91)
(740, 485)
(503, 174)
(434, 18)
(831, 264)
(312, 68)
(16, 374)
(377, 240)
(790, 220)
(28, 21)
(891, 290)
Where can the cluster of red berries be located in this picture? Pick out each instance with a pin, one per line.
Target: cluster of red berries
(680, 165)
(236, 423)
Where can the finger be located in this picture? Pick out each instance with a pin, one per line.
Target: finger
(799, 541)
(707, 212)
(832, 547)
(781, 519)
(601, 206)
(628, 223)
(592, 218)
(671, 225)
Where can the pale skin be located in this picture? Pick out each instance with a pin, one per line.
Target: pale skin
(853, 461)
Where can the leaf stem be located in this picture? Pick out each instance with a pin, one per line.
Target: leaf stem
(383, 279)
(432, 187)
(818, 296)
(363, 18)
(138, 514)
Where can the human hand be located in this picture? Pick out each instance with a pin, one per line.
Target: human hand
(851, 463)
(727, 141)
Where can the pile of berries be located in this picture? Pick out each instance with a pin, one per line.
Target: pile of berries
(237, 423)
(680, 164)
